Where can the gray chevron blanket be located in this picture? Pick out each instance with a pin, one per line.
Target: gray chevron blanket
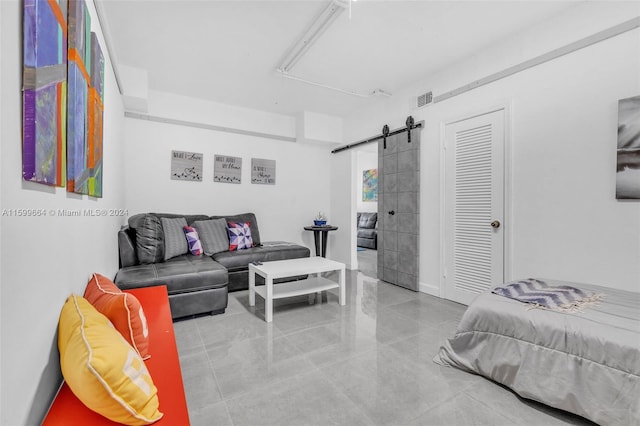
(538, 294)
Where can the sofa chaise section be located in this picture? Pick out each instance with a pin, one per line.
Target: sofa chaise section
(196, 284)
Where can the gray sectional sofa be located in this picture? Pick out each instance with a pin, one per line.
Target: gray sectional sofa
(196, 284)
(367, 230)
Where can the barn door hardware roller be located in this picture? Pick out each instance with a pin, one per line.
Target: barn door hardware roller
(385, 133)
(410, 125)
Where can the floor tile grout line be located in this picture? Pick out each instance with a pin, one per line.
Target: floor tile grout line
(433, 407)
(215, 377)
(277, 382)
(355, 404)
(274, 383)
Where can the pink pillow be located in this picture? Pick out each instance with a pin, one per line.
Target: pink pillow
(193, 240)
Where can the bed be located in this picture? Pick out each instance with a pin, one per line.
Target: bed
(587, 363)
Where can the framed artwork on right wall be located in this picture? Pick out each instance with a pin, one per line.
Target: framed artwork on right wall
(370, 185)
(628, 155)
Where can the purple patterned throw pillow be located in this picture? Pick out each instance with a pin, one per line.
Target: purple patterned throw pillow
(239, 236)
(195, 247)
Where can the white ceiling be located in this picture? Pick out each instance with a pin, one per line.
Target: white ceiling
(228, 51)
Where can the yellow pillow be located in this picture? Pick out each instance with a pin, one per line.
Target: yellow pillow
(102, 369)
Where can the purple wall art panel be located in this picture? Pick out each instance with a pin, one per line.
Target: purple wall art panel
(44, 92)
(77, 172)
(78, 92)
(95, 115)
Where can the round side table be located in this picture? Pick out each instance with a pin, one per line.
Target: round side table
(320, 233)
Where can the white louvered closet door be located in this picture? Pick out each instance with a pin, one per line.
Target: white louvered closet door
(474, 206)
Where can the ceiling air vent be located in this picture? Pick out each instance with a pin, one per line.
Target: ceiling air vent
(425, 99)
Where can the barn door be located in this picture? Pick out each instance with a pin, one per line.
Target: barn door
(398, 209)
(474, 206)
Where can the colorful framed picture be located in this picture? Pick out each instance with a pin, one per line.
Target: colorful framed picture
(44, 92)
(370, 185)
(78, 76)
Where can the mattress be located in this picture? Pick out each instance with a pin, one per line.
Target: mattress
(587, 363)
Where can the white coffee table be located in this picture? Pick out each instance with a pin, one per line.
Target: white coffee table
(290, 268)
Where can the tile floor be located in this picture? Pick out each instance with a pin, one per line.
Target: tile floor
(368, 262)
(367, 363)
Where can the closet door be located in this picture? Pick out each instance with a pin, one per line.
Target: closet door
(398, 209)
(474, 206)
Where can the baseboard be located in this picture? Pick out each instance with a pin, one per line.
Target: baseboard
(433, 290)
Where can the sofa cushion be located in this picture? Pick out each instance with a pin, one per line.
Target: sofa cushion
(190, 218)
(269, 251)
(371, 243)
(245, 217)
(239, 236)
(102, 369)
(181, 274)
(122, 309)
(367, 233)
(175, 242)
(149, 237)
(368, 220)
(193, 240)
(213, 234)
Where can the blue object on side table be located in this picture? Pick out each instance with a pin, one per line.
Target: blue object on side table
(319, 222)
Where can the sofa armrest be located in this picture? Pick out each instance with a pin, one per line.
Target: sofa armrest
(126, 248)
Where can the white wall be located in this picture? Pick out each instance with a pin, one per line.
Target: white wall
(342, 243)
(565, 222)
(282, 210)
(44, 259)
(365, 161)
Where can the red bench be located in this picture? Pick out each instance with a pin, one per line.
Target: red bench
(164, 367)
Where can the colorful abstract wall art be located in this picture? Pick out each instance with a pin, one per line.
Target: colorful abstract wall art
(44, 92)
(63, 97)
(628, 154)
(186, 166)
(370, 185)
(95, 114)
(79, 80)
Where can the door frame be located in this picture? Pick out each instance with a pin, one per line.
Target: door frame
(508, 211)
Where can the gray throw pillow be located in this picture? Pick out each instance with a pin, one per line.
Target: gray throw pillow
(175, 242)
(149, 238)
(213, 235)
